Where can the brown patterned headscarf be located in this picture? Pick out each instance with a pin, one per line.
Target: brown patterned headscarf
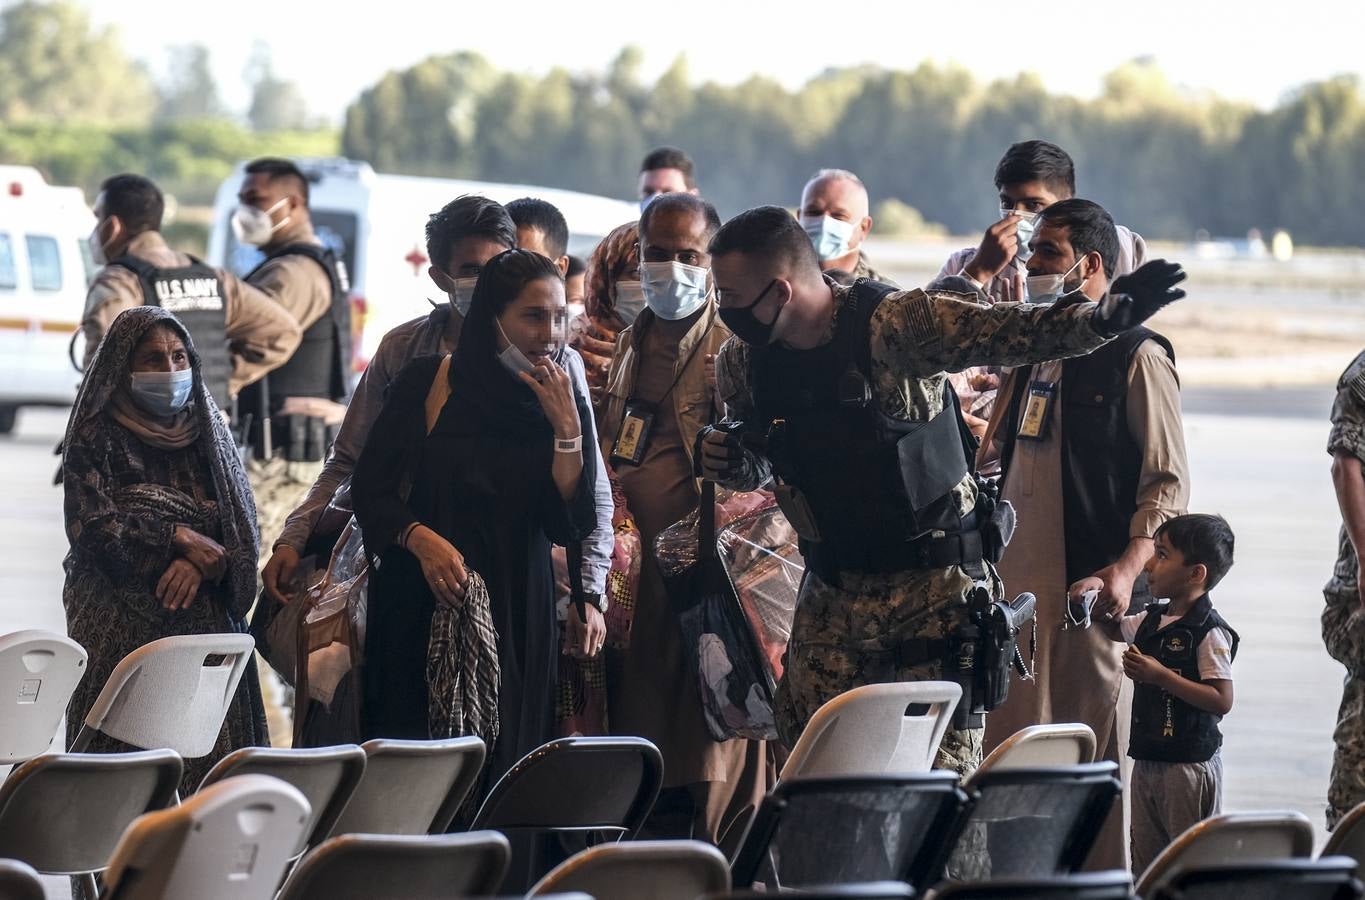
(593, 334)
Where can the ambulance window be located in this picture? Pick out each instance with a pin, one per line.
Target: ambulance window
(44, 263)
(9, 279)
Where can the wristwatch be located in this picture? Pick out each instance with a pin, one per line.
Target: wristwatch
(598, 600)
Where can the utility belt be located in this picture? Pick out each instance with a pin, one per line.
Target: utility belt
(968, 548)
(979, 653)
(262, 433)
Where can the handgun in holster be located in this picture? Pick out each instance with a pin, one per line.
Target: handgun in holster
(982, 651)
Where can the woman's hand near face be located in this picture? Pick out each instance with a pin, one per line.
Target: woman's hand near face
(205, 554)
(555, 393)
(179, 585)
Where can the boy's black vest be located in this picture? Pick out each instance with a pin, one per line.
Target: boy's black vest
(195, 294)
(873, 483)
(1165, 728)
(1101, 463)
(320, 366)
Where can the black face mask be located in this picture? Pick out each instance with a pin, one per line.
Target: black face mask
(742, 321)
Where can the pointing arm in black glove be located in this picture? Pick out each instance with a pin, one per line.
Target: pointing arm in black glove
(1135, 298)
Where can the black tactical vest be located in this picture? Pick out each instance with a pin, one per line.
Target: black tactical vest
(873, 483)
(320, 367)
(195, 294)
(1101, 463)
(1167, 729)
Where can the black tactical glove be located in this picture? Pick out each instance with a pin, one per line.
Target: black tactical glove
(1135, 298)
(720, 452)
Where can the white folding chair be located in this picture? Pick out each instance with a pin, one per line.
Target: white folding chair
(166, 694)
(1043, 747)
(230, 841)
(871, 731)
(401, 867)
(1230, 838)
(1348, 838)
(39, 670)
(640, 870)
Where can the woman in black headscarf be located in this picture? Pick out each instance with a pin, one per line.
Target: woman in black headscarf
(159, 515)
(475, 464)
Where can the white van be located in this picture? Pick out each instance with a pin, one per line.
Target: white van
(377, 224)
(45, 267)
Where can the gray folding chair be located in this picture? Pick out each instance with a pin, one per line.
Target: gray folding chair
(1348, 838)
(1230, 838)
(870, 890)
(168, 694)
(412, 787)
(1115, 885)
(606, 784)
(640, 870)
(876, 729)
(39, 670)
(326, 776)
(1327, 878)
(19, 882)
(401, 867)
(230, 841)
(63, 814)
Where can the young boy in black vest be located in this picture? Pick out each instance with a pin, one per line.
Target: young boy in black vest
(1180, 659)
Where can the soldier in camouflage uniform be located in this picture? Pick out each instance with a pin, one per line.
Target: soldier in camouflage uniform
(863, 624)
(1343, 619)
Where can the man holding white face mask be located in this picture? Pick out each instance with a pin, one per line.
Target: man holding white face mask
(658, 398)
(834, 213)
(1093, 459)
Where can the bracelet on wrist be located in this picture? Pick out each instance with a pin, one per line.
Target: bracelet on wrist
(571, 445)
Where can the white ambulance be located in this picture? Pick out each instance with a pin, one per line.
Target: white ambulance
(377, 222)
(45, 267)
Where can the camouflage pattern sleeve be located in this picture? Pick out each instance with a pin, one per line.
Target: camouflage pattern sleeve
(928, 333)
(736, 391)
(1348, 412)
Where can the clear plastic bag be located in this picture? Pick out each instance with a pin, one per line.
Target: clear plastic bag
(331, 645)
(759, 553)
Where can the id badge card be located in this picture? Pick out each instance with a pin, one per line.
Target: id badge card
(1037, 410)
(632, 438)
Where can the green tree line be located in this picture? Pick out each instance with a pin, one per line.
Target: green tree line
(1165, 161)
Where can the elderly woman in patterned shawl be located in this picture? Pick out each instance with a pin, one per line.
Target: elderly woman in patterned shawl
(159, 516)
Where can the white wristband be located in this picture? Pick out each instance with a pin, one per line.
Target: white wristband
(574, 445)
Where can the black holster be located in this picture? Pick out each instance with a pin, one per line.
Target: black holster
(982, 651)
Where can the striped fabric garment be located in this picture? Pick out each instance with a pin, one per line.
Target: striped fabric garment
(462, 667)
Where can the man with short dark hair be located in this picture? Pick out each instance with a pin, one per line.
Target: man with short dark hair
(1092, 452)
(657, 399)
(239, 332)
(1031, 176)
(666, 170)
(541, 228)
(835, 213)
(843, 395)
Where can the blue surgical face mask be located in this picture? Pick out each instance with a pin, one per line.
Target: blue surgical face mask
(162, 394)
(830, 236)
(673, 290)
(630, 299)
(1045, 289)
(463, 295)
(1028, 222)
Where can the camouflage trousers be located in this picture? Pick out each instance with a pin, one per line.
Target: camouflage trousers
(279, 487)
(1343, 632)
(845, 637)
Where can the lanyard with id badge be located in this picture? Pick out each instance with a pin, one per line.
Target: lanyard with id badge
(637, 423)
(1033, 425)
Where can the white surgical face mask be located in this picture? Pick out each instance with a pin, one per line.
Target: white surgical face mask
(514, 361)
(630, 299)
(162, 394)
(97, 247)
(830, 236)
(1028, 222)
(1045, 289)
(672, 289)
(254, 226)
(463, 295)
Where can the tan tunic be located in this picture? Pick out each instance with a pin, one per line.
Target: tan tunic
(1079, 673)
(651, 691)
(262, 334)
